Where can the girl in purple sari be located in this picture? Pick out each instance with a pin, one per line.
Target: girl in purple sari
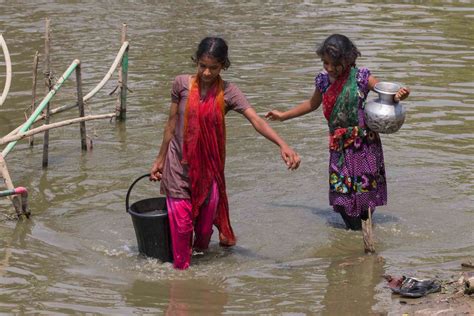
(357, 182)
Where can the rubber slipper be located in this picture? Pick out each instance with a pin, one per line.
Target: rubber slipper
(415, 288)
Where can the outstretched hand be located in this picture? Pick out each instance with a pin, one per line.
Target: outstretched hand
(290, 157)
(401, 94)
(274, 115)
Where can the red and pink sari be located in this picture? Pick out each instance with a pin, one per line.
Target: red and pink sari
(204, 152)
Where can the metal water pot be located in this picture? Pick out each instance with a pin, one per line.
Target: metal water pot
(383, 115)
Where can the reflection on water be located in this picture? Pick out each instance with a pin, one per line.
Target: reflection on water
(351, 284)
(78, 253)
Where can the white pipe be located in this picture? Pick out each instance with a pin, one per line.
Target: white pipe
(111, 71)
(8, 64)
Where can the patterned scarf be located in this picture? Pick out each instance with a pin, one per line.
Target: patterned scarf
(331, 94)
(341, 109)
(204, 152)
(340, 101)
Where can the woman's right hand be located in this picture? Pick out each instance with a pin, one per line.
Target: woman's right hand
(274, 115)
(156, 170)
(290, 157)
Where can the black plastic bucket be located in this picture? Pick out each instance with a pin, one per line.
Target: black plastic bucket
(150, 220)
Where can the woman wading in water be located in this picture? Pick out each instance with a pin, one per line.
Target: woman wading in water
(357, 182)
(190, 163)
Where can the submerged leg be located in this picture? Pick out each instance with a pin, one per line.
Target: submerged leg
(203, 228)
(352, 223)
(181, 228)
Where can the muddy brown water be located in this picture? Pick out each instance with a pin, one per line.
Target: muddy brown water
(78, 253)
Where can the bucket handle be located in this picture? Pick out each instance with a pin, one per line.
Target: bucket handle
(130, 190)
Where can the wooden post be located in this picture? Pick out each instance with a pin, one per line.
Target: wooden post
(48, 83)
(31, 139)
(80, 105)
(367, 234)
(123, 76)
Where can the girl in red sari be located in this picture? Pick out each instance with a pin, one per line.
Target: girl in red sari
(357, 181)
(190, 163)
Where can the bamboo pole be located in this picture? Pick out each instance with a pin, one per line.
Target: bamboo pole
(48, 83)
(8, 65)
(123, 88)
(80, 104)
(367, 234)
(42, 128)
(15, 199)
(99, 86)
(31, 139)
(123, 39)
(123, 78)
(43, 104)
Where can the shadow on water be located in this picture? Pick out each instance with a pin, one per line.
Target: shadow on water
(333, 219)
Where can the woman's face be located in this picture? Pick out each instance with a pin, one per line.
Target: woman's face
(334, 70)
(208, 69)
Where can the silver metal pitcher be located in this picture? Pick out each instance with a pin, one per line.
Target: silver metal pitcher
(383, 115)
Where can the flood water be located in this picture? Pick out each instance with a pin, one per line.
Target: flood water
(78, 253)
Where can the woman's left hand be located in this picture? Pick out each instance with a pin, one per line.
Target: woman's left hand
(291, 158)
(401, 94)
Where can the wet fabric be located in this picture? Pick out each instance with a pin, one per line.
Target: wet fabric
(357, 177)
(332, 93)
(204, 152)
(344, 112)
(175, 181)
(181, 226)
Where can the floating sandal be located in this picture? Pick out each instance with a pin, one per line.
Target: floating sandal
(411, 287)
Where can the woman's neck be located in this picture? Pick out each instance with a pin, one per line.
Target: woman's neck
(204, 88)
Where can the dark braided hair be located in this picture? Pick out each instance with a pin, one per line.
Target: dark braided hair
(340, 49)
(214, 47)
